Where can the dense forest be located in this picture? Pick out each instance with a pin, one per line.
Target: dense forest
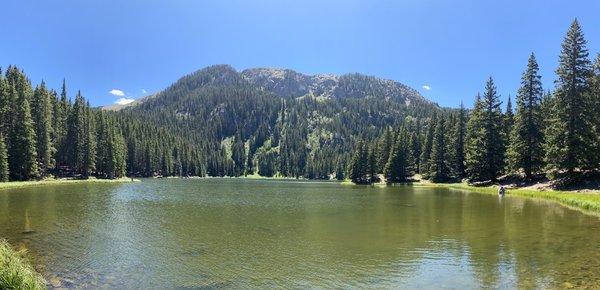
(271, 122)
(43, 133)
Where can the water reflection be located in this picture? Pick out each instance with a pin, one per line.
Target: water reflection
(235, 233)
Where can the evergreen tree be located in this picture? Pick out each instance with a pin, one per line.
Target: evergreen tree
(339, 171)
(397, 168)
(458, 156)
(42, 115)
(593, 97)
(23, 149)
(509, 119)
(438, 164)
(76, 140)
(525, 150)
(415, 147)
(485, 147)
(5, 106)
(569, 135)
(4, 172)
(238, 154)
(89, 141)
(427, 146)
(384, 146)
(359, 164)
(61, 114)
(372, 165)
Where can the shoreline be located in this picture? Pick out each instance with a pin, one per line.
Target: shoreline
(33, 183)
(586, 202)
(16, 271)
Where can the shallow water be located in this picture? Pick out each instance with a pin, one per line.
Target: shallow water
(195, 233)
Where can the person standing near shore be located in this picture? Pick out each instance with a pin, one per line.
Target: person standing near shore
(501, 190)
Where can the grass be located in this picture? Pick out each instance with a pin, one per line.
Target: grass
(19, 184)
(16, 272)
(586, 201)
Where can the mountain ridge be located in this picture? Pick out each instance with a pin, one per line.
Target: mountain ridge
(288, 83)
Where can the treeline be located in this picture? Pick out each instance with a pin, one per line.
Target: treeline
(43, 133)
(556, 133)
(217, 122)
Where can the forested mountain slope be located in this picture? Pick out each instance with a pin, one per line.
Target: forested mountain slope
(267, 121)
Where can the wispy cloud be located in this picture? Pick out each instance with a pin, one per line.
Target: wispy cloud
(124, 101)
(117, 92)
(426, 87)
(144, 91)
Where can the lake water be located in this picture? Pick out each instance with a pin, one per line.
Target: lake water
(232, 233)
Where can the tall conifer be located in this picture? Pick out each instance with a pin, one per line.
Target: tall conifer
(526, 139)
(569, 134)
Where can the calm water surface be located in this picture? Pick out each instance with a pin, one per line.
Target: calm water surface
(229, 233)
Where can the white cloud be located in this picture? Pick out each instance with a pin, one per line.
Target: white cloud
(144, 91)
(124, 101)
(116, 92)
(426, 87)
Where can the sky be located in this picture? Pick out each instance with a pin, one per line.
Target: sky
(116, 51)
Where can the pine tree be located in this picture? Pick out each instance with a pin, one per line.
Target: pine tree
(42, 115)
(397, 168)
(593, 97)
(438, 163)
(458, 156)
(5, 105)
(509, 119)
(526, 139)
(89, 141)
(415, 147)
(339, 171)
(76, 140)
(372, 165)
(359, 164)
(426, 152)
(485, 147)
(4, 172)
(23, 150)
(384, 146)
(238, 154)
(569, 135)
(61, 114)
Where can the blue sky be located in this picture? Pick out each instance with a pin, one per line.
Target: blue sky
(139, 47)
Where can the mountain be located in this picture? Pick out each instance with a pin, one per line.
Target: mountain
(291, 84)
(274, 121)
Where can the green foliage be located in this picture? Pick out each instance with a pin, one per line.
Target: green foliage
(439, 170)
(526, 138)
(221, 122)
(485, 145)
(397, 168)
(42, 115)
(427, 147)
(16, 272)
(359, 166)
(23, 149)
(569, 134)
(458, 141)
(4, 171)
(593, 96)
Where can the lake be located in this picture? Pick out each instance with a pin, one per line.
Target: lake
(241, 233)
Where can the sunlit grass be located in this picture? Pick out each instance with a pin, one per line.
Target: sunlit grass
(18, 184)
(16, 272)
(588, 201)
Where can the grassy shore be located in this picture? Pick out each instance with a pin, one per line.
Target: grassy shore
(19, 184)
(16, 272)
(586, 201)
